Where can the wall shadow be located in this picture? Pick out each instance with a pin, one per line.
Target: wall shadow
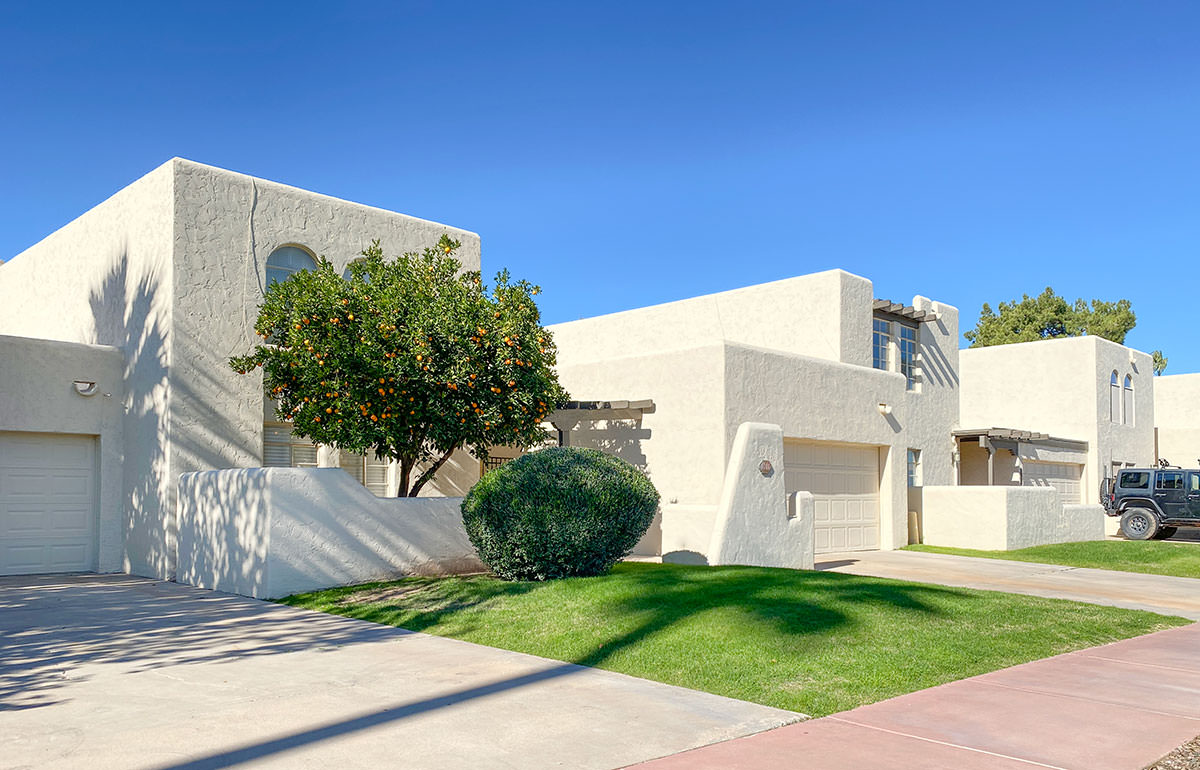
(55, 624)
(621, 438)
(128, 313)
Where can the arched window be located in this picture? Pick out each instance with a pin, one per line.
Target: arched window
(287, 260)
(1114, 398)
(1127, 401)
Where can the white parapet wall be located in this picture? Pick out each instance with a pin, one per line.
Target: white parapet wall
(271, 532)
(1005, 518)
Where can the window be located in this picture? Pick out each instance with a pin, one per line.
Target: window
(1127, 401)
(368, 471)
(908, 355)
(1169, 480)
(881, 345)
(914, 467)
(1134, 480)
(283, 450)
(1194, 482)
(287, 260)
(1114, 398)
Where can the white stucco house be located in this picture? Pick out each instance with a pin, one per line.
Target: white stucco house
(1080, 407)
(146, 296)
(864, 393)
(778, 421)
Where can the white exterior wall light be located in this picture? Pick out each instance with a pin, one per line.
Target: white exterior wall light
(86, 387)
(885, 409)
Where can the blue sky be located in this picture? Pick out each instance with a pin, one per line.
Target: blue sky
(626, 154)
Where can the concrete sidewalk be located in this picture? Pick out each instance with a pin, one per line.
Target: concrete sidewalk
(1116, 707)
(119, 672)
(1131, 590)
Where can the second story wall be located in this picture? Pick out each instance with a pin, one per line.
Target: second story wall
(106, 278)
(824, 315)
(1063, 387)
(1177, 419)
(227, 225)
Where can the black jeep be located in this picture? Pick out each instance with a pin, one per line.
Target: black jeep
(1153, 502)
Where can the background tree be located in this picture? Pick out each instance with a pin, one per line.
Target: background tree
(410, 358)
(1160, 361)
(1047, 316)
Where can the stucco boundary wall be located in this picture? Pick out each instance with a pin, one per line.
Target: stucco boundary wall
(271, 532)
(1005, 518)
(756, 524)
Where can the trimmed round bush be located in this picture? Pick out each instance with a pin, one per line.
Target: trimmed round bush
(560, 512)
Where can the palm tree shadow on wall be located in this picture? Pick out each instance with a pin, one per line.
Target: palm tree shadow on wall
(620, 438)
(129, 314)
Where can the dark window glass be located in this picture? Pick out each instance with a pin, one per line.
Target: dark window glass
(1135, 480)
(1171, 480)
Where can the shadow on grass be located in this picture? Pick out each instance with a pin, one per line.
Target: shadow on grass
(657, 597)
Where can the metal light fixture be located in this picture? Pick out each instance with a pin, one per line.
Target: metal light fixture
(765, 468)
(86, 387)
(885, 409)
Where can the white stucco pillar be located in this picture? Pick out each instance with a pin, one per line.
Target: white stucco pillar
(755, 524)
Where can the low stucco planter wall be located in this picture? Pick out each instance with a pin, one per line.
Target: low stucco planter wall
(1005, 518)
(271, 532)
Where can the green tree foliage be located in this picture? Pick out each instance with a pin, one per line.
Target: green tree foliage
(410, 358)
(1160, 361)
(1047, 316)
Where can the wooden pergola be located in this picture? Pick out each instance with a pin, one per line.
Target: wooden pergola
(573, 413)
(1011, 439)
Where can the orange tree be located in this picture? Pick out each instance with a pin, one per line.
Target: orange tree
(410, 358)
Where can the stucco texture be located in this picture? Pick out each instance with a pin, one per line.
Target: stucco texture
(1005, 518)
(793, 353)
(38, 396)
(271, 532)
(1177, 418)
(1061, 387)
(171, 270)
(756, 524)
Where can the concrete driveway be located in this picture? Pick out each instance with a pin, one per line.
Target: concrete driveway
(1131, 590)
(120, 672)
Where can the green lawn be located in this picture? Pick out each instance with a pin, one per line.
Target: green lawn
(1151, 556)
(814, 642)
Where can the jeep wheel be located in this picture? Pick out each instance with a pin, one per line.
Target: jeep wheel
(1139, 524)
(1165, 532)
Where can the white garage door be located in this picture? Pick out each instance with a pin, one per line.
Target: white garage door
(47, 503)
(1062, 476)
(844, 482)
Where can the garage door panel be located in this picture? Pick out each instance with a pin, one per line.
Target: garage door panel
(24, 482)
(21, 559)
(47, 503)
(1065, 477)
(21, 522)
(67, 556)
(66, 521)
(72, 484)
(844, 482)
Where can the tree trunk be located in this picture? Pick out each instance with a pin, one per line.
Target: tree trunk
(406, 466)
(429, 474)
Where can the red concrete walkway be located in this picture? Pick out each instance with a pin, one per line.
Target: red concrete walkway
(1120, 706)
